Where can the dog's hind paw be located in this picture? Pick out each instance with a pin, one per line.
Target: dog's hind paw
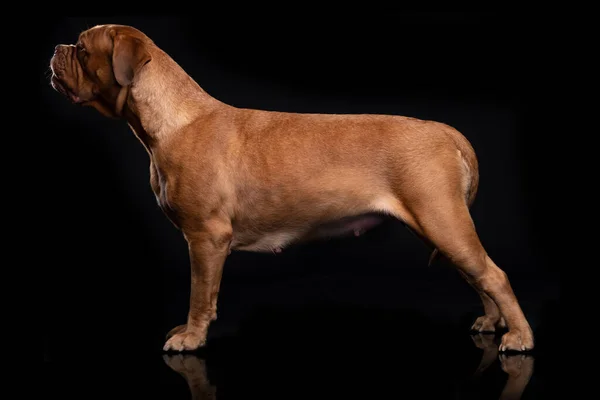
(488, 324)
(184, 341)
(517, 340)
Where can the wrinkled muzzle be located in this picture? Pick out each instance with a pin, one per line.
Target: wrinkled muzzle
(68, 78)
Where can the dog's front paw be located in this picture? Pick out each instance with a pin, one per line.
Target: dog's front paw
(517, 340)
(184, 341)
(486, 323)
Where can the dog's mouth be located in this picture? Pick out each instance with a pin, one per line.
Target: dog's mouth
(63, 89)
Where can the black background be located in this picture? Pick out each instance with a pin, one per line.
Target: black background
(120, 275)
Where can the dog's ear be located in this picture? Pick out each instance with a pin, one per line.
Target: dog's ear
(129, 55)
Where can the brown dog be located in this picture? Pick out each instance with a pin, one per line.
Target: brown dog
(256, 180)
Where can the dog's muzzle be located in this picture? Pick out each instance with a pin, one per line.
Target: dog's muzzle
(63, 55)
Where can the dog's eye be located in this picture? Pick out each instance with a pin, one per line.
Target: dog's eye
(82, 53)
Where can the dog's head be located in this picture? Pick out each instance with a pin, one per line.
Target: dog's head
(99, 68)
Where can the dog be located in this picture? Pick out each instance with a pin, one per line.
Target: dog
(245, 179)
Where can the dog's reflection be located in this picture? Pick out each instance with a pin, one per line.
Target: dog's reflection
(193, 370)
(519, 367)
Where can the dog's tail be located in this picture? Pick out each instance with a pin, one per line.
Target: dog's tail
(432, 257)
(472, 169)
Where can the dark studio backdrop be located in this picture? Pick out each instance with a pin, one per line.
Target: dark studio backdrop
(120, 279)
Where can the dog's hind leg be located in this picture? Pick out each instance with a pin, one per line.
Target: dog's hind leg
(436, 206)
(469, 183)
(492, 317)
(445, 222)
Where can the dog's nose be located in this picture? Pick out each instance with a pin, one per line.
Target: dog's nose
(58, 48)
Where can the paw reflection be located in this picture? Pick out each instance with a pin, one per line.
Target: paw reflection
(485, 342)
(519, 367)
(193, 370)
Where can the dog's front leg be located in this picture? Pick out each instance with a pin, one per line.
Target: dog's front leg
(208, 249)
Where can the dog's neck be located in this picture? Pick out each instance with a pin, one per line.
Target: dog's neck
(163, 99)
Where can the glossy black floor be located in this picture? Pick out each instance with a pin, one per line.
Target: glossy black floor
(313, 352)
(306, 332)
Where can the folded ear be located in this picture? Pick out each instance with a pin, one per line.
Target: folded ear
(129, 55)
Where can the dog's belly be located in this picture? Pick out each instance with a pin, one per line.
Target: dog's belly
(352, 225)
(267, 242)
(275, 241)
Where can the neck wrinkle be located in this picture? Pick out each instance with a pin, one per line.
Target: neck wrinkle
(121, 100)
(139, 132)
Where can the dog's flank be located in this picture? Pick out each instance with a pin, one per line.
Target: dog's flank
(234, 178)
